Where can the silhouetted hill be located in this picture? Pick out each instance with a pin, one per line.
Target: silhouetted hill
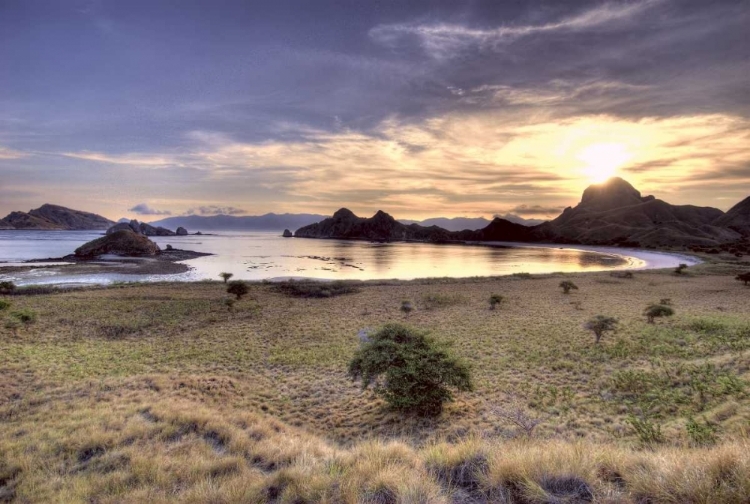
(737, 218)
(51, 217)
(615, 213)
(267, 222)
(450, 224)
(611, 213)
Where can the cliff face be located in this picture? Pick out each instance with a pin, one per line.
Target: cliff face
(51, 217)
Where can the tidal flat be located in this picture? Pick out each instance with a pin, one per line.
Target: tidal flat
(160, 392)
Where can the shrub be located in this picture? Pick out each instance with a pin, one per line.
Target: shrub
(406, 307)
(432, 301)
(226, 276)
(419, 372)
(647, 431)
(656, 311)
(743, 277)
(237, 288)
(4, 305)
(567, 286)
(666, 301)
(313, 289)
(628, 275)
(679, 269)
(701, 434)
(229, 303)
(601, 324)
(7, 287)
(26, 317)
(495, 299)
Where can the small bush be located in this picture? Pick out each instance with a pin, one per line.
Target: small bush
(600, 325)
(648, 432)
(567, 286)
(701, 434)
(226, 276)
(406, 307)
(657, 311)
(627, 275)
(679, 269)
(433, 301)
(743, 277)
(237, 288)
(666, 301)
(522, 275)
(4, 305)
(7, 287)
(26, 317)
(229, 303)
(419, 373)
(313, 289)
(495, 299)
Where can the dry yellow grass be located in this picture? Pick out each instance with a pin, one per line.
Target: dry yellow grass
(159, 393)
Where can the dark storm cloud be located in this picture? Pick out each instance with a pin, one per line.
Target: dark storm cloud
(144, 209)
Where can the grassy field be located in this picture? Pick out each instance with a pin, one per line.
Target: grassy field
(160, 392)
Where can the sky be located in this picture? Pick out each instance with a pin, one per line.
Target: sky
(420, 108)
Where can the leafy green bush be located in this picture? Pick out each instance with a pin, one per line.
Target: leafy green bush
(600, 324)
(237, 288)
(4, 305)
(419, 373)
(26, 317)
(226, 276)
(647, 431)
(313, 289)
(657, 311)
(495, 299)
(701, 434)
(567, 286)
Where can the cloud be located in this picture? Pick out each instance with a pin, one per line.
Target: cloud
(144, 209)
(445, 40)
(216, 210)
(157, 161)
(6, 153)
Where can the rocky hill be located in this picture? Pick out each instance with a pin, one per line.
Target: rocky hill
(122, 243)
(142, 228)
(611, 213)
(615, 213)
(737, 218)
(54, 217)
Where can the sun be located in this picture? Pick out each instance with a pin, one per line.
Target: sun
(603, 160)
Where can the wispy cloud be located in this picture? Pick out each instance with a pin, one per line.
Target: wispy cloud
(6, 153)
(444, 40)
(144, 209)
(124, 159)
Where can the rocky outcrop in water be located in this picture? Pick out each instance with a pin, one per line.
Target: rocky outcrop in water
(141, 228)
(123, 243)
(181, 231)
(287, 234)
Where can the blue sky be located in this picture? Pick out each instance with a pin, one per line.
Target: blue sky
(417, 108)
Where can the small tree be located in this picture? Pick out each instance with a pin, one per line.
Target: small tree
(419, 372)
(226, 276)
(679, 269)
(656, 310)
(407, 307)
(7, 287)
(567, 286)
(743, 277)
(601, 324)
(237, 288)
(495, 299)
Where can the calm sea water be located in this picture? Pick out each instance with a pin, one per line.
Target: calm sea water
(260, 255)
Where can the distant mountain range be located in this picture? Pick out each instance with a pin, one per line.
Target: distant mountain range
(471, 223)
(612, 213)
(267, 222)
